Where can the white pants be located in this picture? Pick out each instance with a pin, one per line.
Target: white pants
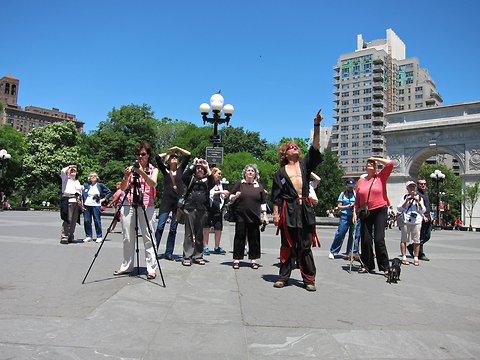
(129, 240)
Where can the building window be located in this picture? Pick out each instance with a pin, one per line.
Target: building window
(345, 94)
(419, 88)
(419, 96)
(356, 101)
(355, 169)
(401, 107)
(367, 91)
(355, 136)
(14, 89)
(344, 119)
(356, 84)
(344, 145)
(356, 127)
(367, 108)
(344, 152)
(345, 86)
(344, 136)
(356, 109)
(7, 88)
(401, 91)
(367, 82)
(367, 99)
(366, 135)
(356, 118)
(354, 152)
(367, 143)
(355, 144)
(418, 105)
(367, 117)
(345, 111)
(367, 126)
(356, 92)
(345, 102)
(366, 151)
(344, 128)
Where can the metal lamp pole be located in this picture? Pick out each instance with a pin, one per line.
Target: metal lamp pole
(216, 105)
(438, 176)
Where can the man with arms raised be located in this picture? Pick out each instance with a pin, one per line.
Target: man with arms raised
(292, 209)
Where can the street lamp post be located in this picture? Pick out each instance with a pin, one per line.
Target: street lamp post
(438, 176)
(217, 107)
(4, 156)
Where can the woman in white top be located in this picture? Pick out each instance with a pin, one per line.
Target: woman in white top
(69, 204)
(411, 206)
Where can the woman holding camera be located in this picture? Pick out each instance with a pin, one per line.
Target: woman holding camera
(411, 208)
(199, 181)
(372, 194)
(94, 193)
(144, 175)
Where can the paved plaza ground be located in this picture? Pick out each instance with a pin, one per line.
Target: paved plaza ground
(215, 312)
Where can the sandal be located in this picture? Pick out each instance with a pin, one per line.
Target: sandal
(405, 262)
(151, 276)
(236, 265)
(363, 271)
(200, 261)
(416, 263)
(254, 266)
(120, 272)
(186, 262)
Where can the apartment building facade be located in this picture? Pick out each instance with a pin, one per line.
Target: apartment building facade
(30, 117)
(370, 82)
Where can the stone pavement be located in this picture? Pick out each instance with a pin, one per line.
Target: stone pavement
(214, 312)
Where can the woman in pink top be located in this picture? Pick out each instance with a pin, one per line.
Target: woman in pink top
(373, 227)
(147, 180)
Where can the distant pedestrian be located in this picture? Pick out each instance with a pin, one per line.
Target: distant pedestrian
(115, 202)
(70, 203)
(412, 208)
(94, 193)
(346, 201)
(217, 198)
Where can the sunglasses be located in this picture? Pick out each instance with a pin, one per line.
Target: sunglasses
(292, 147)
(173, 156)
(143, 154)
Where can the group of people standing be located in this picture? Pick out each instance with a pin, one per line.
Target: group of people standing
(202, 196)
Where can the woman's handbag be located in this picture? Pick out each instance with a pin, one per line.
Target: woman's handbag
(230, 215)
(180, 214)
(363, 212)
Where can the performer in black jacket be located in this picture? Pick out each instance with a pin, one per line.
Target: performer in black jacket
(292, 209)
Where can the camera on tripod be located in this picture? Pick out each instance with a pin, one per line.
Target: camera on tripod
(136, 165)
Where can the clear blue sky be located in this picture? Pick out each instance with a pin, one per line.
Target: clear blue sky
(273, 60)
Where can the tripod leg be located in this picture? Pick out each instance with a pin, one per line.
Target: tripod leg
(105, 237)
(152, 240)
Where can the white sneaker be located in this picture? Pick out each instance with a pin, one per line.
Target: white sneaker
(331, 256)
(87, 239)
(99, 240)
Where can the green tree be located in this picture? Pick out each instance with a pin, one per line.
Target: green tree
(450, 189)
(47, 151)
(12, 141)
(470, 197)
(234, 164)
(332, 183)
(111, 146)
(236, 139)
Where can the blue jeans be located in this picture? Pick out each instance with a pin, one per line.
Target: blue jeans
(344, 226)
(162, 219)
(94, 211)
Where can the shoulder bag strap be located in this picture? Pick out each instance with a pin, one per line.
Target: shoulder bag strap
(370, 189)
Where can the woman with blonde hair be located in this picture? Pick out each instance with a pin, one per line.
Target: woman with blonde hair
(94, 193)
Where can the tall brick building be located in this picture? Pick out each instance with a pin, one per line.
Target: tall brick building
(31, 117)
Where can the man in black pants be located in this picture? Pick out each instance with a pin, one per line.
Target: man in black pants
(292, 209)
(426, 228)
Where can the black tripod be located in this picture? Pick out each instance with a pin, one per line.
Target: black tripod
(135, 188)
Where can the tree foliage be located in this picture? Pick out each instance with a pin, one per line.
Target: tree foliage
(47, 151)
(12, 141)
(332, 183)
(470, 197)
(236, 139)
